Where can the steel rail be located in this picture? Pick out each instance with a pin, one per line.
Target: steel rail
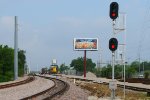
(48, 93)
(29, 79)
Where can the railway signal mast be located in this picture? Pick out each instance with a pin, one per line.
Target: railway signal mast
(113, 44)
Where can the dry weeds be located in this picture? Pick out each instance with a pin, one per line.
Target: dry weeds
(102, 91)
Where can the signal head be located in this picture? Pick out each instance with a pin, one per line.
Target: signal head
(113, 44)
(113, 10)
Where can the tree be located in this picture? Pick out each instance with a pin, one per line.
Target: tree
(103, 72)
(21, 62)
(7, 63)
(118, 71)
(135, 65)
(107, 71)
(146, 74)
(146, 65)
(63, 68)
(97, 71)
(78, 64)
(130, 71)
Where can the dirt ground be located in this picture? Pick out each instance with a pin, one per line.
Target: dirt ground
(102, 91)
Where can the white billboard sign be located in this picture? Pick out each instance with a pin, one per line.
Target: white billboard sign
(86, 44)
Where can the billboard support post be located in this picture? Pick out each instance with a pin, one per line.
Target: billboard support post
(84, 63)
(85, 44)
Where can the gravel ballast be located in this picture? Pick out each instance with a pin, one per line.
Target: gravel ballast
(22, 91)
(73, 93)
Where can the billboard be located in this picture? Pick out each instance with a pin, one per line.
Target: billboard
(86, 44)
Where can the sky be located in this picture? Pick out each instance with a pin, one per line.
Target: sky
(47, 28)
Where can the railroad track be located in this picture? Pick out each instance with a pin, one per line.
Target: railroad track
(29, 79)
(131, 87)
(57, 90)
(121, 86)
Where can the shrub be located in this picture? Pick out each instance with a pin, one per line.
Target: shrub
(146, 74)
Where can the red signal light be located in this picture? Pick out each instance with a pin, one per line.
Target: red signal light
(113, 14)
(113, 46)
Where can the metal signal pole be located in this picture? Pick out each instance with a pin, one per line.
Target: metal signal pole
(124, 19)
(113, 63)
(16, 50)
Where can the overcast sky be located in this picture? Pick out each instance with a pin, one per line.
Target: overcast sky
(47, 28)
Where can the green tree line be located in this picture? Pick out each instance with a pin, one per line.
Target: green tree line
(106, 71)
(78, 65)
(131, 70)
(7, 63)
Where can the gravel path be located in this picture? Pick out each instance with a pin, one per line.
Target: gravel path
(74, 92)
(21, 91)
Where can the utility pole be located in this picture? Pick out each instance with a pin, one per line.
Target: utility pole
(84, 63)
(100, 65)
(143, 67)
(139, 63)
(16, 50)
